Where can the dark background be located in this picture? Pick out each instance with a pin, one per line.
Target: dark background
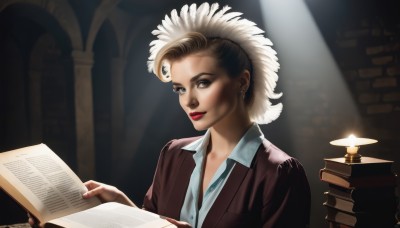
(340, 71)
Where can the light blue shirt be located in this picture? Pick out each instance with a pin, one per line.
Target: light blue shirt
(243, 153)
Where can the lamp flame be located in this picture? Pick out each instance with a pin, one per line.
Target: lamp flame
(352, 144)
(352, 140)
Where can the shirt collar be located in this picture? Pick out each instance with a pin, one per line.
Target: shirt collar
(243, 152)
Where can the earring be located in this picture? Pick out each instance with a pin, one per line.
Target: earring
(243, 93)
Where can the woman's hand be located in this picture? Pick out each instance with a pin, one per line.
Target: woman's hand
(33, 222)
(179, 224)
(106, 193)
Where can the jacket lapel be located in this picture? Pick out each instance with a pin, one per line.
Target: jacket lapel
(226, 195)
(180, 185)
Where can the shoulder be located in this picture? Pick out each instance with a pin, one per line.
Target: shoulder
(174, 147)
(271, 157)
(173, 154)
(177, 144)
(277, 168)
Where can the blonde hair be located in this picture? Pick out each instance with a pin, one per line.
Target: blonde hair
(230, 56)
(190, 43)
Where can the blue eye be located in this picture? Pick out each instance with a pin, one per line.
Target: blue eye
(179, 90)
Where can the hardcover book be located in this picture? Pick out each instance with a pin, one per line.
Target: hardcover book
(369, 205)
(357, 182)
(360, 219)
(367, 167)
(46, 187)
(362, 194)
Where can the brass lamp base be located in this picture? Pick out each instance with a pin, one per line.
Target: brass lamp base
(352, 158)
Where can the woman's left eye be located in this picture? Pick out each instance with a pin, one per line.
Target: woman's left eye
(203, 83)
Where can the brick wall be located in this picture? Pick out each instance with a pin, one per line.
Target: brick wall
(364, 38)
(368, 52)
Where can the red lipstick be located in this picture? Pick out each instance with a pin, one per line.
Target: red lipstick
(196, 115)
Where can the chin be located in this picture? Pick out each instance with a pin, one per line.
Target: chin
(199, 127)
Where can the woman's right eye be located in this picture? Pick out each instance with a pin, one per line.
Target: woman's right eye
(179, 90)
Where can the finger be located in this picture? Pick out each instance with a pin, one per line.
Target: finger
(93, 192)
(177, 223)
(91, 184)
(33, 222)
(171, 220)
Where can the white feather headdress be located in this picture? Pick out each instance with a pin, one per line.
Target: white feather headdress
(210, 22)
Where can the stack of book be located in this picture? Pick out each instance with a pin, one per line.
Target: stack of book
(360, 194)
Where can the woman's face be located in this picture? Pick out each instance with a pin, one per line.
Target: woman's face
(206, 93)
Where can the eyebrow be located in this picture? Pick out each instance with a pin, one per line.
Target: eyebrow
(194, 78)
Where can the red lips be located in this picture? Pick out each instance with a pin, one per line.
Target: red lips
(196, 115)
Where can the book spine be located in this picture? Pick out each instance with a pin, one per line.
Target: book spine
(357, 182)
(363, 194)
(359, 169)
(370, 206)
(360, 219)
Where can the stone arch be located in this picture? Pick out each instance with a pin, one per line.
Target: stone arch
(61, 11)
(100, 16)
(37, 16)
(106, 73)
(13, 124)
(51, 98)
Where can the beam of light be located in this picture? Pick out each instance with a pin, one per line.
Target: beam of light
(317, 103)
(312, 83)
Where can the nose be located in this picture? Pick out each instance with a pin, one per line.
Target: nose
(191, 99)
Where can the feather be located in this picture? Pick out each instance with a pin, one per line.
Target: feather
(213, 21)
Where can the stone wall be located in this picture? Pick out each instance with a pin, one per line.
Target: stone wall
(368, 52)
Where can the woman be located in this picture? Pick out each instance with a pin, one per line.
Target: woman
(223, 71)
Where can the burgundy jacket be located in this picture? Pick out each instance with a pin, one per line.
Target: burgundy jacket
(273, 192)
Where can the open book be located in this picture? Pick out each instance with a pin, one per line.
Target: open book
(46, 187)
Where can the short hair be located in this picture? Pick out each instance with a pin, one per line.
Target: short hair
(230, 56)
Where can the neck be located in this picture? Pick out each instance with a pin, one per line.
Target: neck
(224, 138)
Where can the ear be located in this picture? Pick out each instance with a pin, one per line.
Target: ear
(244, 80)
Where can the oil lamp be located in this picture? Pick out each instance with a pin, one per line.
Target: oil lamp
(352, 144)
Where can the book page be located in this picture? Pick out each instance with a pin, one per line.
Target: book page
(44, 181)
(112, 215)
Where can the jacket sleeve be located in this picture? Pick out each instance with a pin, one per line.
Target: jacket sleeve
(289, 204)
(150, 201)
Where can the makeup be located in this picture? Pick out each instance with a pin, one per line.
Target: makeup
(197, 115)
